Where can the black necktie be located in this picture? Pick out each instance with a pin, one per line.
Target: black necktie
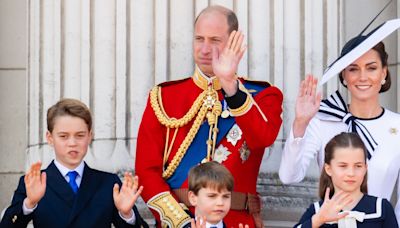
(336, 107)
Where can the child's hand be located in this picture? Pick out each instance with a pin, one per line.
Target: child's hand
(199, 223)
(125, 198)
(330, 209)
(35, 185)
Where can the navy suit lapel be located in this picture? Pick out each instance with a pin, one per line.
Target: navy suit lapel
(57, 183)
(90, 182)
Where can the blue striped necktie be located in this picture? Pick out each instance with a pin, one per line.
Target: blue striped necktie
(72, 180)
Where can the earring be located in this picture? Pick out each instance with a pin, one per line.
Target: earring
(383, 82)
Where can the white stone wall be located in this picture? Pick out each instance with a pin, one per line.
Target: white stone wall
(109, 53)
(13, 112)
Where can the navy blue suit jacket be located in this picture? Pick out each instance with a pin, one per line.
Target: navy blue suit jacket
(93, 206)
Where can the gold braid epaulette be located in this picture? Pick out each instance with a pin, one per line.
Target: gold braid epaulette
(197, 108)
(155, 101)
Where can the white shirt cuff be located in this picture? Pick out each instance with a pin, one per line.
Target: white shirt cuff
(130, 220)
(26, 210)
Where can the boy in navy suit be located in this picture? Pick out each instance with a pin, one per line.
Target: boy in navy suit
(210, 192)
(68, 193)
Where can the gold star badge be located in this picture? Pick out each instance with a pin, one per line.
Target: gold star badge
(393, 131)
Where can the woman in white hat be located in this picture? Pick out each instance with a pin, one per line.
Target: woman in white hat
(317, 122)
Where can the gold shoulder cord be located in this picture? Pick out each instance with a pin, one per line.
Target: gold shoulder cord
(206, 104)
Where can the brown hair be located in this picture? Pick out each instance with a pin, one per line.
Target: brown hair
(380, 48)
(342, 140)
(231, 18)
(68, 107)
(210, 174)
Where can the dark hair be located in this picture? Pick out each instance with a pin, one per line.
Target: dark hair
(68, 107)
(342, 140)
(210, 174)
(231, 18)
(380, 48)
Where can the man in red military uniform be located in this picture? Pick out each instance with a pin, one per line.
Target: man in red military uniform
(213, 115)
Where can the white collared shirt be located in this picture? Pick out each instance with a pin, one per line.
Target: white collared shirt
(64, 171)
(220, 224)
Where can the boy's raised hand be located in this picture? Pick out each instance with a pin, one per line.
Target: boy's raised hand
(198, 223)
(125, 198)
(35, 185)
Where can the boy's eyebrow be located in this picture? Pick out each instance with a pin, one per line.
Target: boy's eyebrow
(64, 132)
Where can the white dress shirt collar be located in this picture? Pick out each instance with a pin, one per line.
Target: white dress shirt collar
(64, 171)
(218, 225)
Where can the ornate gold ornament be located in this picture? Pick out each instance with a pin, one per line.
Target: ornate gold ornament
(207, 105)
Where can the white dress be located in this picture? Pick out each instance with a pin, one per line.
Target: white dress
(383, 167)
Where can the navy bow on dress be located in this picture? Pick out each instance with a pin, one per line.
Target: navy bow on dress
(336, 107)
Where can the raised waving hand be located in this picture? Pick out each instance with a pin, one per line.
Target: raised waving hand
(225, 64)
(125, 198)
(307, 105)
(35, 185)
(330, 209)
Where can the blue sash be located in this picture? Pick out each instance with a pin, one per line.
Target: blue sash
(197, 150)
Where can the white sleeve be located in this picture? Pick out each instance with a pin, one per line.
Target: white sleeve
(397, 207)
(131, 220)
(298, 153)
(27, 210)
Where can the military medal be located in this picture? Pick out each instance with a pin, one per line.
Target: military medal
(244, 152)
(221, 154)
(393, 131)
(225, 114)
(234, 134)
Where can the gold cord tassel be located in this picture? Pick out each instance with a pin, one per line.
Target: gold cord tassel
(207, 105)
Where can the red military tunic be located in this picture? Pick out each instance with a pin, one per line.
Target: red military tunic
(259, 120)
